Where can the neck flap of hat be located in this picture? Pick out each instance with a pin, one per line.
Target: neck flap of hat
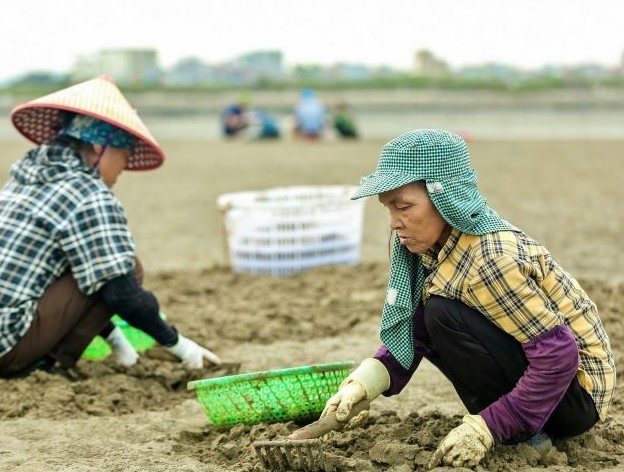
(441, 159)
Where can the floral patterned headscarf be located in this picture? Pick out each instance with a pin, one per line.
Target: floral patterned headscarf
(94, 131)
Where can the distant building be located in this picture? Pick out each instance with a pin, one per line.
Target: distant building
(350, 72)
(259, 65)
(426, 64)
(189, 72)
(126, 66)
(588, 72)
(310, 72)
(387, 71)
(491, 71)
(549, 71)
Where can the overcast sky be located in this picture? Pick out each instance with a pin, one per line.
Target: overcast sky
(51, 34)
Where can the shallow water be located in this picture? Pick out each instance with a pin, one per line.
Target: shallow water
(484, 123)
(480, 122)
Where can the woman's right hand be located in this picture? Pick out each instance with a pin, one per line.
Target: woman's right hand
(369, 380)
(351, 392)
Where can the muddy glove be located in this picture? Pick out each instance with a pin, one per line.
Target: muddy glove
(123, 351)
(465, 445)
(369, 380)
(192, 354)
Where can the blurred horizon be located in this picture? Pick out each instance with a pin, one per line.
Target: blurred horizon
(616, 62)
(266, 69)
(526, 35)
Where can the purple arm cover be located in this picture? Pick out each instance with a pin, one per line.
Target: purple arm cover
(399, 376)
(553, 362)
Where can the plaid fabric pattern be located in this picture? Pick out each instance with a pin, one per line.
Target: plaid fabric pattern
(55, 216)
(442, 160)
(514, 282)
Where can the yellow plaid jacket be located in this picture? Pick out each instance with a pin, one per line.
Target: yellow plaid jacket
(513, 281)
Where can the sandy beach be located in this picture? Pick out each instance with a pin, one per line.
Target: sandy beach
(565, 193)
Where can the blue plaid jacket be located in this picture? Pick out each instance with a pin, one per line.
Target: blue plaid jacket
(56, 216)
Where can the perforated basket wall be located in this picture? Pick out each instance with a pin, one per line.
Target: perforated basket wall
(285, 230)
(297, 393)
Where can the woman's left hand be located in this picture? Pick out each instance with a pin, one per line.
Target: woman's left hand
(464, 446)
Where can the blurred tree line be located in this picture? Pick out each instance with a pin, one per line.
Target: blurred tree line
(38, 83)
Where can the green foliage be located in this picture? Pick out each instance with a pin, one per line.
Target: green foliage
(308, 77)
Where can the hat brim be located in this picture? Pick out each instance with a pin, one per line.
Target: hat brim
(146, 156)
(39, 120)
(380, 182)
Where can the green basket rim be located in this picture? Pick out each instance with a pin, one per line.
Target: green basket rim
(228, 379)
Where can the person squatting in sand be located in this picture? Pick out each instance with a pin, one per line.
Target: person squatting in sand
(68, 260)
(520, 340)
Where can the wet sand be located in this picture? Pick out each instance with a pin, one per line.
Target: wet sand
(567, 194)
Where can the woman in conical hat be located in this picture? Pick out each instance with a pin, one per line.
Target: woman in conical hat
(68, 260)
(517, 336)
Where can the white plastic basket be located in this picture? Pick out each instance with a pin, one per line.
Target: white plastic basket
(285, 230)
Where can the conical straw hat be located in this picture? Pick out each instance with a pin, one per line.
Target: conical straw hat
(39, 120)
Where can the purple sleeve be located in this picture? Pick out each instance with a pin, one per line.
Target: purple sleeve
(553, 362)
(400, 376)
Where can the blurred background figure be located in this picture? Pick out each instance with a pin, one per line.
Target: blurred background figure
(343, 122)
(310, 116)
(235, 118)
(263, 125)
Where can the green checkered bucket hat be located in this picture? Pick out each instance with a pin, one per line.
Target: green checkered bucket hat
(440, 159)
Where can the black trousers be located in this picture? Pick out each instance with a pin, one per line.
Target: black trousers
(483, 363)
(66, 322)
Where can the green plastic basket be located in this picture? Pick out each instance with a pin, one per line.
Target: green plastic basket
(99, 349)
(272, 396)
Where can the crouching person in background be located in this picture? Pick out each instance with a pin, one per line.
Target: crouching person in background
(68, 260)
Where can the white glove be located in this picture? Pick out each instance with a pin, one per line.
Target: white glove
(369, 380)
(192, 354)
(123, 351)
(465, 445)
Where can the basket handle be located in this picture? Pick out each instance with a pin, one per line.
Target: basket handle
(223, 209)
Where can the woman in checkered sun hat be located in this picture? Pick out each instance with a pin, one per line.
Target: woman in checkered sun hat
(68, 260)
(517, 336)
